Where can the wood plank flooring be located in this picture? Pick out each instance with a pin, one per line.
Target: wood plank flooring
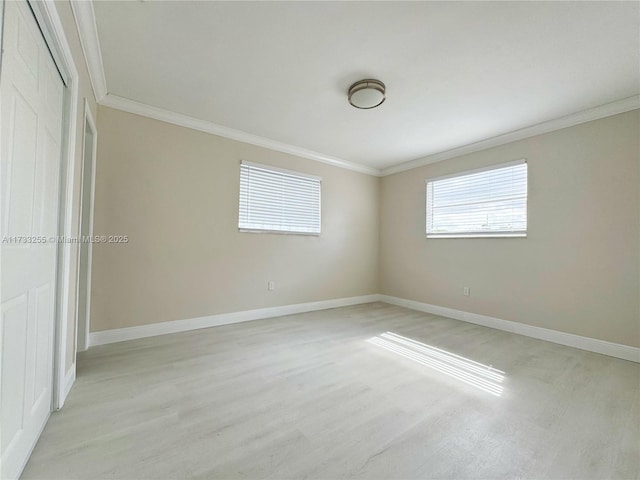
(307, 396)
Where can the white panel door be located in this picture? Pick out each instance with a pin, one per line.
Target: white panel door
(31, 100)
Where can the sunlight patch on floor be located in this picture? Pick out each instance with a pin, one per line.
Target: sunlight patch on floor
(481, 376)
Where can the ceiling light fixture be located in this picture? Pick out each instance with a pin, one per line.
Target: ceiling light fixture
(367, 94)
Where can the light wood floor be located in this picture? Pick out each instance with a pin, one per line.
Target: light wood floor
(306, 396)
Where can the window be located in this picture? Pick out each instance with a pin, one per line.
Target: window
(277, 200)
(489, 202)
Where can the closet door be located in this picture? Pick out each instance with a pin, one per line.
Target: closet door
(31, 115)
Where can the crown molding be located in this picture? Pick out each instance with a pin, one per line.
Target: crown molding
(596, 113)
(168, 116)
(88, 33)
(602, 111)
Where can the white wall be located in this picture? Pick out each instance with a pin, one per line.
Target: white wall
(578, 269)
(174, 192)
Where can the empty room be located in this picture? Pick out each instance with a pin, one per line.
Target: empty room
(319, 240)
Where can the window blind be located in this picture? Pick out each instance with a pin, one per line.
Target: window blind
(481, 203)
(277, 200)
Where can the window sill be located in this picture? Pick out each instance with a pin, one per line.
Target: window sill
(279, 232)
(478, 235)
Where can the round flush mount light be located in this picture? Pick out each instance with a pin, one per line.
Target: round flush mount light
(367, 94)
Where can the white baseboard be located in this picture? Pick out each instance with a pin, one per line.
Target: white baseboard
(624, 352)
(122, 334)
(69, 380)
(617, 350)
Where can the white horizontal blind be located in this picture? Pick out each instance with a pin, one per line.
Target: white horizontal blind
(487, 203)
(278, 200)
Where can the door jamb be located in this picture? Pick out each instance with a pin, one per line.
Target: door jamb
(51, 26)
(88, 119)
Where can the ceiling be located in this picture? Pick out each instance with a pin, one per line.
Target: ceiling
(456, 72)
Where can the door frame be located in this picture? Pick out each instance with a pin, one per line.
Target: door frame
(1, 31)
(51, 26)
(83, 343)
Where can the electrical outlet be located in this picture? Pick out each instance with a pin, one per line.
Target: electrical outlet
(466, 291)
(271, 285)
